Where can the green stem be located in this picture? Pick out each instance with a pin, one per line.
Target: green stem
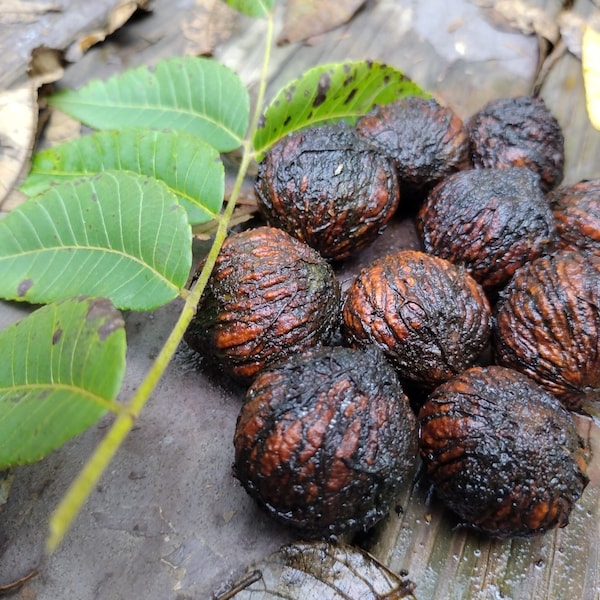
(70, 506)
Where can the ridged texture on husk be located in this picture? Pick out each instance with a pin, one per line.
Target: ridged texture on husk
(502, 452)
(518, 132)
(426, 140)
(269, 297)
(576, 209)
(329, 188)
(490, 220)
(325, 441)
(548, 325)
(429, 317)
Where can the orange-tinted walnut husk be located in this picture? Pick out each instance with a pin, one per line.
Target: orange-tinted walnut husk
(518, 132)
(576, 209)
(329, 188)
(429, 317)
(502, 453)
(426, 140)
(548, 325)
(325, 441)
(269, 297)
(491, 221)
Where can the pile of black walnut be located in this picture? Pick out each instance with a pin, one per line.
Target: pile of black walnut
(495, 323)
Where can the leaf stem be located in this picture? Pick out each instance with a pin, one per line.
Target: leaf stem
(70, 506)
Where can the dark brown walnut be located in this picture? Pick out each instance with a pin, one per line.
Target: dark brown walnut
(426, 140)
(502, 453)
(269, 297)
(329, 188)
(548, 325)
(576, 209)
(429, 317)
(491, 221)
(518, 132)
(325, 441)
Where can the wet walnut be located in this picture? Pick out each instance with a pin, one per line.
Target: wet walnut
(548, 325)
(329, 188)
(429, 317)
(426, 140)
(490, 220)
(518, 132)
(269, 297)
(325, 441)
(576, 209)
(502, 453)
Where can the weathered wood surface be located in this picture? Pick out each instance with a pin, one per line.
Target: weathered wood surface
(168, 520)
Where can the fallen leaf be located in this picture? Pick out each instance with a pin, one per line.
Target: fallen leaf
(211, 23)
(528, 19)
(246, 209)
(309, 18)
(319, 570)
(61, 128)
(45, 65)
(590, 62)
(17, 11)
(572, 26)
(18, 124)
(115, 20)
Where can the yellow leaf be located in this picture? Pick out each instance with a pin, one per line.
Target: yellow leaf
(590, 61)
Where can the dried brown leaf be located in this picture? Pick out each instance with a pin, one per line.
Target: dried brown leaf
(115, 20)
(45, 65)
(319, 570)
(572, 26)
(528, 19)
(309, 18)
(61, 128)
(18, 123)
(211, 22)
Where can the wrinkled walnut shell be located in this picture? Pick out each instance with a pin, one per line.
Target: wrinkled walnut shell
(548, 325)
(518, 132)
(329, 188)
(426, 140)
(325, 441)
(429, 317)
(502, 453)
(269, 297)
(491, 221)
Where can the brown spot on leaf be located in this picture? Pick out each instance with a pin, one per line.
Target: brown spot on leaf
(24, 287)
(56, 336)
(102, 309)
(350, 95)
(322, 89)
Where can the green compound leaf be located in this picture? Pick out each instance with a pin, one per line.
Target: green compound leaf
(197, 95)
(329, 93)
(116, 234)
(61, 370)
(252, 8)
(191, 169)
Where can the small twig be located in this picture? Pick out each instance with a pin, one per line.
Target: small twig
(241, 585)
(546, 66)
(13, 586)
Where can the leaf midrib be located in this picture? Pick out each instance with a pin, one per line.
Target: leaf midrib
(75, 174)
(105, 403)
(150, 108)
(133, 258)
